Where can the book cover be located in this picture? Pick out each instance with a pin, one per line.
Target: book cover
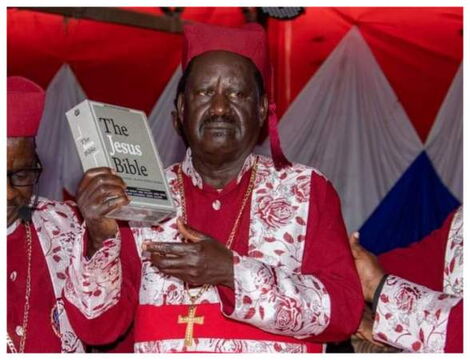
(120, 138)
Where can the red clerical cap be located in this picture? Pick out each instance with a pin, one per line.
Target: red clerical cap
(25, 104)
(249, 41)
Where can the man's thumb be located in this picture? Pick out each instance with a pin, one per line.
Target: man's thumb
(354, 243)
(188, 232)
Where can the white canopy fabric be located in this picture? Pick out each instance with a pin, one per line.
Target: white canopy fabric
(348, 123)
(169, 143)
(444, 144)
(55, 145)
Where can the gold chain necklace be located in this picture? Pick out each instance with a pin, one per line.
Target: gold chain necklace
(191, 318)
(29, 251)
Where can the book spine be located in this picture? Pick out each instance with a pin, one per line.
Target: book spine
(85, 134)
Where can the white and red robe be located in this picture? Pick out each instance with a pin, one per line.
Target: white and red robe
(54, 229)
(420, 307)
(295, 282)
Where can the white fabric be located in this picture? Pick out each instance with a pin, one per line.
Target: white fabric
(444, 144)
(216, 345)
(412, 317)
(453, 263)
(169, 144)
(348, 123)
(57, 226)
(55, 145)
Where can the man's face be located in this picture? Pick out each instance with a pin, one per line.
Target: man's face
(21, 154)
(221, 110)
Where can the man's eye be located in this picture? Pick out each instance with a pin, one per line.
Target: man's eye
(236, 94)
(21, 175)
(205, 92)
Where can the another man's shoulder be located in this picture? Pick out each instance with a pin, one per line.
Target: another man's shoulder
(62, 208)
(293, 171)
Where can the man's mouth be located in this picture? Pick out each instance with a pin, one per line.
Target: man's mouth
(219, 125)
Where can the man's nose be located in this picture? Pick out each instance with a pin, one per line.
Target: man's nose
(219, 104)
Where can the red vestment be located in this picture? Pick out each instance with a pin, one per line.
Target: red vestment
(40, 335)
(295, 282)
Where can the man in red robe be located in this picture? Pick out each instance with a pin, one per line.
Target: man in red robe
(257, 259)
(416, 292)
(40, 234)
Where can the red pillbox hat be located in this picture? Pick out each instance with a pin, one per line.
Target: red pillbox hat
(25, 104)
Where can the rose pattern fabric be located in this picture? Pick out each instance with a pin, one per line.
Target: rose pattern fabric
(453, 267)
(93, 285)
(407, 297)
(58, 229)
(301, 189)
(270, 292)
(412, 317)
(275, 212)
(219, 346)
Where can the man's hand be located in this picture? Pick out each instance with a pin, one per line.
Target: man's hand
(100, 192)
(364, 332)
(200, 260)
(369, 270)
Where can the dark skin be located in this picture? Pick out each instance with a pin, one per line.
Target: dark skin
(220, 115)
(21, 154)
(370, 273)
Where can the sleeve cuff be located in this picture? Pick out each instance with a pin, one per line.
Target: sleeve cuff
(378, 290)
(412, 317)
(227, 299)
(93, 285)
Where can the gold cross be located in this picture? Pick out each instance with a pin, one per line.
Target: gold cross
(190, 320)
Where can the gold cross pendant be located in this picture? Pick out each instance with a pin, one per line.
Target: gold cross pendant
(190, 320)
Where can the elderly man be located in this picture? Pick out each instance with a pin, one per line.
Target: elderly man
(418, 306)
(257, 259)
(40, 236)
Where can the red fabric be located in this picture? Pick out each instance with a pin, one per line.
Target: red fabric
(151, 330)
(419, 50)
(40, 335)
(409, 262)
(454, 340)
(249, 41)
(25, 104)
(327, 256)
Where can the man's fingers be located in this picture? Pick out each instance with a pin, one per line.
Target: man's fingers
(356, 247)
(165, 263)
(188, 232)
(102, 188)
(165, 248)
(92, 173)
(354, 238)
(102, 199)
(114, 203)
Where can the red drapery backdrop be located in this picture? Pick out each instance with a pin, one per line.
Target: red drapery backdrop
(419, 50)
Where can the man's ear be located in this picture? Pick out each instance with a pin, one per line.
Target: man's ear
(263, 109)
(177, 114)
